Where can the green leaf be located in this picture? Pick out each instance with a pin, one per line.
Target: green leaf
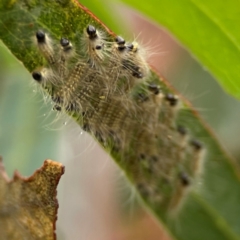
(210, 208)
(209, 29)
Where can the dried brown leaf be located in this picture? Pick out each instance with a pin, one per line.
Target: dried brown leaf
(28, 206)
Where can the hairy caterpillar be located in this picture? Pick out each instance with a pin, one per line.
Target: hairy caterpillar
(134, 119)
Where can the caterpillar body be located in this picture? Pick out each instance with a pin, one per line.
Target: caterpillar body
(107, 90)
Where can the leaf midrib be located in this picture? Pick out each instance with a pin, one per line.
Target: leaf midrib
(216, 218)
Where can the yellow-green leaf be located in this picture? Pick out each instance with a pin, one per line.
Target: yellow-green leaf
(209, 29)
